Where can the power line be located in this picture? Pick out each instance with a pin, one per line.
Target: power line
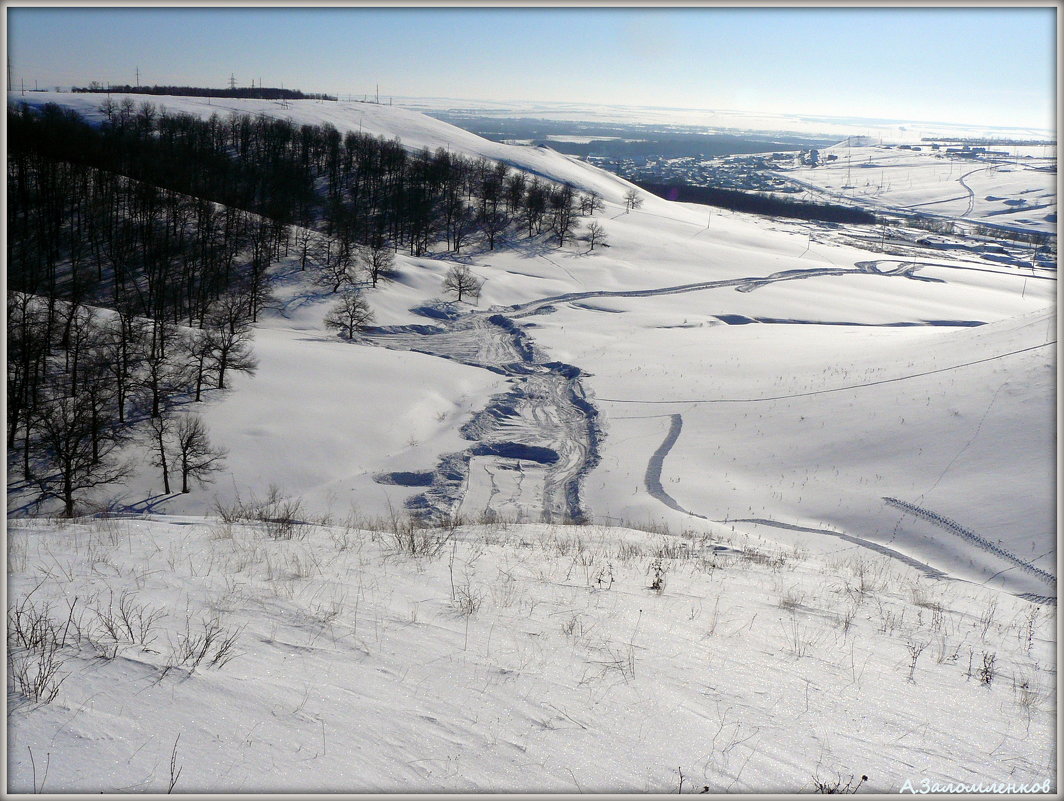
(834, 389)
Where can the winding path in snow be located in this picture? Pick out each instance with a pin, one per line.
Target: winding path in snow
(533, 444)
(748, 284)
(530, 446)
(872, 546)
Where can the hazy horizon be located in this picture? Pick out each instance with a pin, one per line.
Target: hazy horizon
(990, 66)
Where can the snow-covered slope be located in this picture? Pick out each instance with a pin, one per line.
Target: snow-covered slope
(837, 429)
(518, 659)
(416, 130)
(853, 377)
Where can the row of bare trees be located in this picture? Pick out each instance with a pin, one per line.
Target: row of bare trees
(354, 187)
(89, 236)
(82, 382)
(173, 223)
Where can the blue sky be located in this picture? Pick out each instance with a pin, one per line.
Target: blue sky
(972, 65)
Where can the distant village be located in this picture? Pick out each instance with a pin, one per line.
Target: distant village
(750, 172)
(754, 172)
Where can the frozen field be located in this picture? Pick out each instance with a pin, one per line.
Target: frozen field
(1016, 188)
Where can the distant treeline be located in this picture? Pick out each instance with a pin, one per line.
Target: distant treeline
(256, 92)
(755, 203)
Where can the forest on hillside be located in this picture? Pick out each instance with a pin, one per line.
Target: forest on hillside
(759, 203)
(140, 254)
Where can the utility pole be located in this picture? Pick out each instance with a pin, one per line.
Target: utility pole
(378, 94)
(232, 81)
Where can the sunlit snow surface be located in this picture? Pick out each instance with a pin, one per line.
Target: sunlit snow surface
(842, 430)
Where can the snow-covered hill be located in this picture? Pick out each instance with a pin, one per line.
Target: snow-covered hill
(844, 434)
(416, 130)
(854, 377)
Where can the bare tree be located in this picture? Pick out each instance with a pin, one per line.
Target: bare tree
(378, 259)
(349, 315)
(304, 237)
(461, 225)
(159, 431)
(590, 203)
(70, 462)
(563, 211)
(108, 108)
(493, 223)
(196, 457)
(125, 343)
(632, 200)
(596, 235)
(228, 337)
(196, 347)
(230, 350)
(460, 279)
(162, 374)
(339, 267)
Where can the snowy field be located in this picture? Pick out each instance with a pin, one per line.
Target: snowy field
(202, 656)
(817, 485)
(1015, 189)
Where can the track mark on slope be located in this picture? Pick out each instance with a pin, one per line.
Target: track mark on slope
(906, 269)
(873, 546)
(981, 542)
(740, 319)
(968, 444)
(652, 478)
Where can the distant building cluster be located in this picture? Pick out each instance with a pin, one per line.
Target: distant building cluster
(750, 172)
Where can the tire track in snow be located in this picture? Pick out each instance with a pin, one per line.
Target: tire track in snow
(969, 190)
(907, 269)
(872, 546)
(532, 445)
